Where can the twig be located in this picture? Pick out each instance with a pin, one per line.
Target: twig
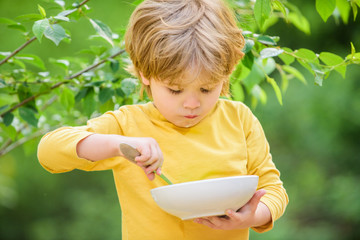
(95, 65)
(29, 99)
(32, 39)
(10, 144)
(18, 143)
(17, 50)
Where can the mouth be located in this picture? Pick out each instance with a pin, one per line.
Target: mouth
(191, 116)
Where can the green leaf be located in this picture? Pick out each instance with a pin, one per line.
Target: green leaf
(325, 8)
(63, 63)
(89, 103)
(28, 115)
(18, 26)
(6, 106)
(10, 131)
(331, 59)
(81, 94)
(249, 44)
(268, 65)
(262, 9)
(128, 85)
(353, 51)
(106, 94)
(255, 76)
(108, 106)
(266, 40)
(278, 5)
(344, 8)
(61, 3)
(42, 11)
(103, 30)
(19, 63)
(32, 59)
(286, 57)
(7, 21)
(276, 89)
(239, 73)
(258, 93)
(67, 12)
(355, 9)
(23, 93)
(114, 65)
(258, 71)
(284, 81)
(29, 17)
(39, 28)
(270, 52)
(320, 73)
(8, 118)
(293, 71)
(300, 22)
(67, 98)
(55, 33)
(62, 18)
(248, 60)
(306, 54)
(237, 92)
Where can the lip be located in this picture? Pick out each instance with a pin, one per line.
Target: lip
(191, 116)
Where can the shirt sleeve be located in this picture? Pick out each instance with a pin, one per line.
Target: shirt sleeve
(260, 163)
(57, 149)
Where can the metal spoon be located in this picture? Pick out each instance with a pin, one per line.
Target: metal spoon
(131, 153)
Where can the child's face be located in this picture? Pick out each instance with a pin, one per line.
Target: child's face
(186, 105)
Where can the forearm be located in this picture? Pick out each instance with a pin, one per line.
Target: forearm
(99, 146)
(262, 216)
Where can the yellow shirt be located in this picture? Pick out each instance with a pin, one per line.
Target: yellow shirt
(229, 141)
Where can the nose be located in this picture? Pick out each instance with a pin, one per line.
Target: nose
(191, 102)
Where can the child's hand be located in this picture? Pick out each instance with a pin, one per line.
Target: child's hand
(150, 158)
(253, 213)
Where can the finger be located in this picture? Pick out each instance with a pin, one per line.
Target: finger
(151, 176)
(161, 158)
(156, 160)
(232, 215)
(153, 156)
(145, 155)
(254, 201)
(205, 222)
(216, 221)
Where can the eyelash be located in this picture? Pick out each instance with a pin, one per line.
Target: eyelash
(175, 92)
(203, 90)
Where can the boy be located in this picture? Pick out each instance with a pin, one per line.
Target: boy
(183, 51)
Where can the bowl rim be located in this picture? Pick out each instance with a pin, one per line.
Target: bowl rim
(203, 181)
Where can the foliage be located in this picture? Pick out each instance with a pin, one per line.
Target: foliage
(37, 95)
(29, 89)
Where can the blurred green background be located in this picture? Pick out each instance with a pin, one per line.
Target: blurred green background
(314, 139)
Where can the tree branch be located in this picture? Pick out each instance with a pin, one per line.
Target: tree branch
(10, 144)
(95, 65)
(17, 50)
(29, 99)
(33, 39)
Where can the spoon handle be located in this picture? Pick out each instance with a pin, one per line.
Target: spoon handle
(131, 153)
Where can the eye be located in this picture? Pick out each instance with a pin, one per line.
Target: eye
(204, 90)
(172, 91)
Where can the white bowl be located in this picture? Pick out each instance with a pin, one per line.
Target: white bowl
(205, 197)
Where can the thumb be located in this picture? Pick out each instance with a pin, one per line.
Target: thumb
(254, 201)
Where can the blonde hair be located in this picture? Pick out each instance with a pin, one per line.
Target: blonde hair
(166, 38)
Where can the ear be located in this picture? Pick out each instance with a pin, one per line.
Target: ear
(144, 80)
